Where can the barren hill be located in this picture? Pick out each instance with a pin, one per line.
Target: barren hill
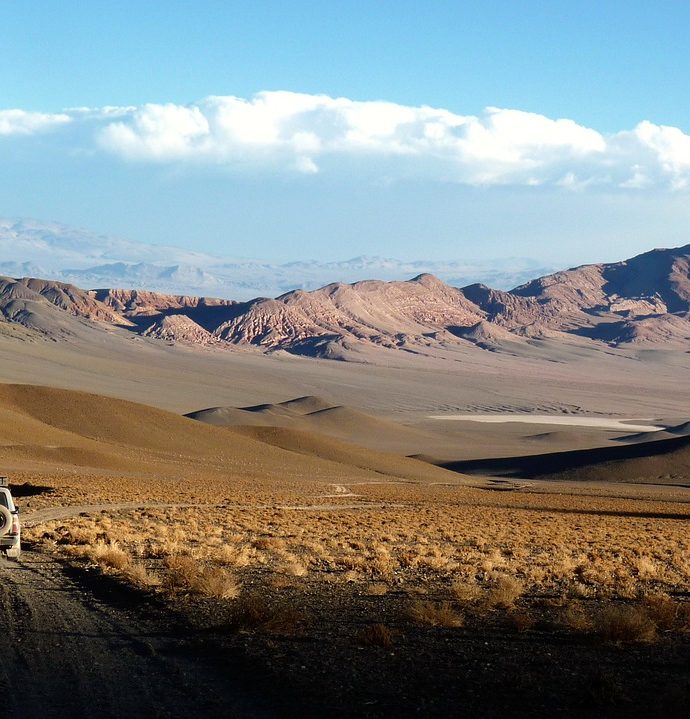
(60, 429)
(315, 416)
(643, 301)
(662, 461)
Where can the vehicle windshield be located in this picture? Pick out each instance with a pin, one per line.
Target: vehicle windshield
(4, 500)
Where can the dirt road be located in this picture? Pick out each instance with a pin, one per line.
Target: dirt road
(67, 652)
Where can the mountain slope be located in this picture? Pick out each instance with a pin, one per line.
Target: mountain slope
(644, 301)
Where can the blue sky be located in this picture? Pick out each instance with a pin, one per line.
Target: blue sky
(432, 130)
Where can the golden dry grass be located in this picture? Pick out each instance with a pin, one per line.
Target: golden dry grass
(244, 510)
(378, 635)
(620, 624)
(504, 592)
(434, 614)
(254, 614)
(486, 548)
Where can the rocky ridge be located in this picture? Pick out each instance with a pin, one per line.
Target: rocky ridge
(642, 301)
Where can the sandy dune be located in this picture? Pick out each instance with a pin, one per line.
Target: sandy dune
(312, 414)
(50, 429)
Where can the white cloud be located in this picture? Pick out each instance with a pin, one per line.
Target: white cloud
(296, 132)
(22, 122)
(158, 132)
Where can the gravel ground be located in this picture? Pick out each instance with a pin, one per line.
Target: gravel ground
(66, 650)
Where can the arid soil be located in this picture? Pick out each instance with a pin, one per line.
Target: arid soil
(293, 644)
(302, 565)
(69, 648)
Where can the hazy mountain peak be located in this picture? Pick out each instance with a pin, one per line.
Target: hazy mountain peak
(89, 259)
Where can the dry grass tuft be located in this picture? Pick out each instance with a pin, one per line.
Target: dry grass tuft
(216, 582)
(138, 575)
(181, 575)
(376, 635)
(254, 614)
(625, 624)
(293, 568)
(109, 554)
(505, 591)
(573, 617)
(434, 614)
(466, 592)
(376, 589)
(519, 621)
(662, 610)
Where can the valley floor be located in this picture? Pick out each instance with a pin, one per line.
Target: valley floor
(303, 564)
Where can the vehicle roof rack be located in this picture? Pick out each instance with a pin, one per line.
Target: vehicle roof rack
(4, 481)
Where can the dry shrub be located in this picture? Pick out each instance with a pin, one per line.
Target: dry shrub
(376, 635)
(182, 573)
(109, 555)
(78, 535)
(579, 590)
(519, 621)
(434, 614)
(504, 593)
(646, 567)
(138, 575)
(235, 555)
(186, 574)
(574, 617)
(383, 565)
(279, 581)
(465, 591)
(216, 582)
(265, 543)
(662, 610)
(293, 568)
(624, 624)
(255, 614)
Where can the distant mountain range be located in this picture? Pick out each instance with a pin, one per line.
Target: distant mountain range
(644, 301)
(40, 249)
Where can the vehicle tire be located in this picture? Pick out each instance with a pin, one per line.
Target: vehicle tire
(5, 521)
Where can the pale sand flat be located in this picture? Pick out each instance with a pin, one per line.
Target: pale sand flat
(570, 420)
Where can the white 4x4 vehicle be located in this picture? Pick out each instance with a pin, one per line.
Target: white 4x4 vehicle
(10, 534)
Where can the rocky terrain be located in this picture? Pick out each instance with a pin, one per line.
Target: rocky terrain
(644, 301)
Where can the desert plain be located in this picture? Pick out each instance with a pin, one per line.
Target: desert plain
(280, 535)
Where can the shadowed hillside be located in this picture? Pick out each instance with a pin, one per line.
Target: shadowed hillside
(664, 461)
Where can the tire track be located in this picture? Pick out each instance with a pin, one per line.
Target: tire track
(65, 653)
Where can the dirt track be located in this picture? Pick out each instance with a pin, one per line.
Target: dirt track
(64, 652)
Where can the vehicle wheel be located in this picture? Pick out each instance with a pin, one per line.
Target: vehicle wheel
(5, 521)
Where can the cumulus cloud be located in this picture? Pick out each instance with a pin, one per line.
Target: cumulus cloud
(499, 146)
(297, 132)
(21, 122)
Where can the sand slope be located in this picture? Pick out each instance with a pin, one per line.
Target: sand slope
(327, 448)
(61, 428)
(311, 414)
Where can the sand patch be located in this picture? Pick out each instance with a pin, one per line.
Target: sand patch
(569, 420)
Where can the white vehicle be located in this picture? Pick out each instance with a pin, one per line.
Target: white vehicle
(10, 533)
